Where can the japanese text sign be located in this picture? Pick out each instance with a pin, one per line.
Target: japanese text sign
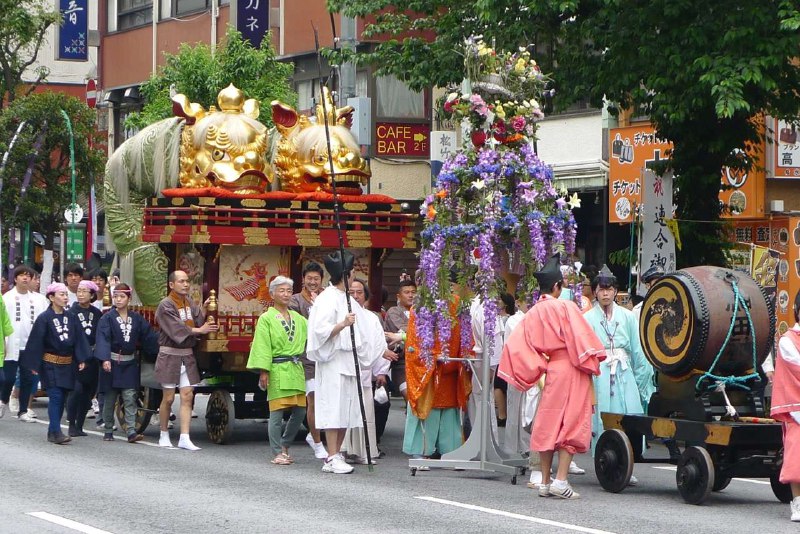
(787, 151)
(658, 242)
(402, 139)
(73, 31)
(252, 20)
(633, 149)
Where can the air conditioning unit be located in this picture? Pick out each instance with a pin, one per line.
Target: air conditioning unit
(776, 206)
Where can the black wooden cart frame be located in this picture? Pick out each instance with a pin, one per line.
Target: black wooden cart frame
(715, 452)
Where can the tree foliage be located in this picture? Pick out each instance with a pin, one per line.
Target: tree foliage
(49, 193)
(700, 70)
(22, 32)
(194, 72)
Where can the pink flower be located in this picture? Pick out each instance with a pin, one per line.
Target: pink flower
(518, 123)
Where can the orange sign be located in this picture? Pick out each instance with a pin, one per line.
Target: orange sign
(635, 148)
(745, 198)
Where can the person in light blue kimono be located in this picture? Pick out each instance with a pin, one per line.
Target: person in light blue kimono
(626, 381)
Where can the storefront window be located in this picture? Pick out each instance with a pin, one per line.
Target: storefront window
(396, 100)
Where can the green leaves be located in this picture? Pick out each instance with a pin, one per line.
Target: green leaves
(699, 69)
(22, 32)
(49, 192)
(193, 71)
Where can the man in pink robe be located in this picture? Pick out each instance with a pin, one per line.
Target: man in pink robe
(555, 339)
(786, 406)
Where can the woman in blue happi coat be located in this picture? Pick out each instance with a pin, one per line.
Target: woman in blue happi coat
(119, 334)
(80, 399)
(57, 350)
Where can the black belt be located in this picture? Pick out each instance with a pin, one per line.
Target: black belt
(122, 353)
(285, 359)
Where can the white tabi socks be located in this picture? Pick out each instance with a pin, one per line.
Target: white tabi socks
(164, 441)
(185, 443)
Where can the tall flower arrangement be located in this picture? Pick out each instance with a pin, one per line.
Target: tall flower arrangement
(494, 210)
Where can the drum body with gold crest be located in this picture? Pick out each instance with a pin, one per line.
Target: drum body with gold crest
(686, 318)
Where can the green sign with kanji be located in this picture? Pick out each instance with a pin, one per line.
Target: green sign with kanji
(76, 242)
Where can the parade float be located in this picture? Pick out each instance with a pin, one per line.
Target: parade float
(215, 194)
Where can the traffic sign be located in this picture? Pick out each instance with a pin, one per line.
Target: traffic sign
(91, 93)
(73, 213)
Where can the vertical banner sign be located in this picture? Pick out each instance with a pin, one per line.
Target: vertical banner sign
(787, 151)
(443, 146)
(73, 31)
(633, 149)
(764, 270)
(252, 20)
(658, 243)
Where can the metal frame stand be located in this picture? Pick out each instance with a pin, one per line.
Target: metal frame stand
(480, 452)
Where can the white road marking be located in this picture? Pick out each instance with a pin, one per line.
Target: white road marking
(674, 468)
(100, 434)
(531, 519)
(69, 523)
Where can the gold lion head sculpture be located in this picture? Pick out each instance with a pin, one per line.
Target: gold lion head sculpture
(302, 162)
(225, 147)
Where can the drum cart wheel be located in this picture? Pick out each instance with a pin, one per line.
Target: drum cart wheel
(695, 476)
(613, 460)
(220, 416)
(782, 491)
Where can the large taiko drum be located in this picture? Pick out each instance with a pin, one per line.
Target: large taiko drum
(686, 318)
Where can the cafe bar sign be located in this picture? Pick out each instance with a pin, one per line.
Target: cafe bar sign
(394, 139)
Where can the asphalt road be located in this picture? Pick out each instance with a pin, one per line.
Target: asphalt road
(122, 488)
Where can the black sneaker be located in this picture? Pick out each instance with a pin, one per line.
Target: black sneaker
(108, 436)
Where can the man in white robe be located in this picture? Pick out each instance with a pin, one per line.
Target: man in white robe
(330, 345)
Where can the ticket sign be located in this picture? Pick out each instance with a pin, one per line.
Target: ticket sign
(633, 149)
(403, 139)
(636, 148)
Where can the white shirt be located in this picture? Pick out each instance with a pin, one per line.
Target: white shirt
(23, 309)
(73, 297)
(477, 321)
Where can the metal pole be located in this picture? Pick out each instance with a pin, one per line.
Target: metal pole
(341, 248)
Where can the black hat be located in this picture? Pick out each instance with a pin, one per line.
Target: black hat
(333, 263)
(605, 278)
(550, 273)
(653, 273)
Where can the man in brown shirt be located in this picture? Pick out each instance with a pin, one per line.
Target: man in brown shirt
(301, 303)
(397, 322)
(182, 323)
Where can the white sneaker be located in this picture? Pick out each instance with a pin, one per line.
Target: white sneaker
(575, 470)
(13, 404)
(795, 507)
(544, 490)
(32, 413)
(536, 478)
(95, 407)
(90, 414)
(336, 465)
(2, 409)
(26, 418)
(563, 490)
(633, 481)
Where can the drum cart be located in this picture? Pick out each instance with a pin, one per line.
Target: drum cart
(715, 453)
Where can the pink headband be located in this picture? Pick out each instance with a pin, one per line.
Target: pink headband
(88, 284)
(56, 287)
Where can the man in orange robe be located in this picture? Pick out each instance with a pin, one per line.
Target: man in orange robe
(554, 338)
(437, 394)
